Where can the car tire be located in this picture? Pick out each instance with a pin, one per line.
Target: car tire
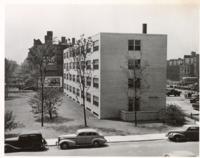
(64, 146)
(178, 138)
(96, 143)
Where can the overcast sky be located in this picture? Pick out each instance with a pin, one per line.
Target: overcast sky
(26, 22)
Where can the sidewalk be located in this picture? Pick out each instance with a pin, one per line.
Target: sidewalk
(128, 138)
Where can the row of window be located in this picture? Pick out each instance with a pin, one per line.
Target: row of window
(87, 64)
(76, 91)
(74, 53)
(86, 81)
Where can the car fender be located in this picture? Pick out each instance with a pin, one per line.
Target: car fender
(101, 140)
(178, 134)
(68, 141)
(12, 147)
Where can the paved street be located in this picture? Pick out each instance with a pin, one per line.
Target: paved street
(143, 148)
(185, 104)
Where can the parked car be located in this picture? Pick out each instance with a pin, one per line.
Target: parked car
(83, 137)
(27, 141)
(187, 133)
(173, 92)
(194, 98)
(196, 106)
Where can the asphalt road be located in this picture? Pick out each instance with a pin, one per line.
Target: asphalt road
(143, 148)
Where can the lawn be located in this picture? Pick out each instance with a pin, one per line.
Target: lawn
(70, 119)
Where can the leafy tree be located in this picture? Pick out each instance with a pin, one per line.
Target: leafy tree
(172, 115)
(39, 57)
(29, 75)
(80, 52)
(10, 121)
(10, 67)
(52, 100)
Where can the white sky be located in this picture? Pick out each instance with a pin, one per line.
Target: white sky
(24, 22)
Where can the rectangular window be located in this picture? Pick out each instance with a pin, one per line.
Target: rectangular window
(130, 64)
(137, 83)
(67, 87)
(77, 78)
(88, 80)
(88, 64)
(130, 83)
(134, 45)
(137, 104)
(130, 104)
(67, 67)
(96, 64)
(82, 65)
(95, 82)
(95, 100)
(78, 92)
(96, 45)
(73, 90)
(74, 65)
(74, 78)
(88, 97)
(138, 63)
(70, 88)
(70, 77)
(133, 63)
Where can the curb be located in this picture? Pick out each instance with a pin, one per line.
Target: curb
(110, 139)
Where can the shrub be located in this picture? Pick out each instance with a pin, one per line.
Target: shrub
(10, 121)
(172, 115)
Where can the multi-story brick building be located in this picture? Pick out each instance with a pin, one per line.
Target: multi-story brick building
(188, 67)
(54, 70)
(112, 80)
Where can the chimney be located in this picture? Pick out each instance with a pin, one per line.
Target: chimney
(49, 37)
(144, 28)
(63, 40)
(73, 41)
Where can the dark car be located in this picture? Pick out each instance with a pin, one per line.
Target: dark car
(194, 98)
(83, 137)
(28, 141)
(196, 106)
(187, 133)
(173, 92)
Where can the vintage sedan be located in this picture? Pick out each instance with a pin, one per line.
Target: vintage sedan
(83, 137)
(187, 133)
(28, 141)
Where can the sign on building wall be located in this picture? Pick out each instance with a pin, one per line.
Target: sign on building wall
(53, 81)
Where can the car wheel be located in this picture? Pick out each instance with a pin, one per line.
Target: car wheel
(96, 143)
(178, 138)
(64, 146)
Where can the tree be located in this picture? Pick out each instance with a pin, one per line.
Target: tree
(40, 56)
(10, 67)
(172, 115)
(80, 51)
(52, 99)
(28, 75)
(10, 122)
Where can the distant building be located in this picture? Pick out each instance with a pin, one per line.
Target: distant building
(111, 85)
(54, 73)
(178, 69)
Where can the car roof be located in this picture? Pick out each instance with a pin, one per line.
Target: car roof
(190, 126)
(31, 132)
(87, 130)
